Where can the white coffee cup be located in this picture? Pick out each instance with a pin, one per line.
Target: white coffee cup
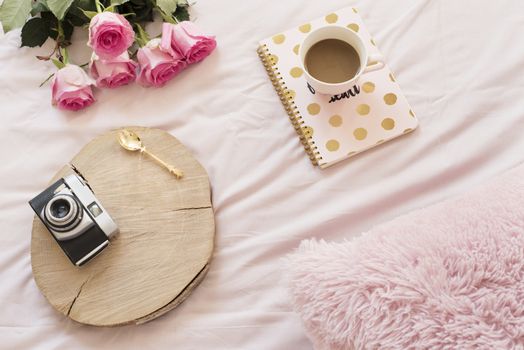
(368, 63)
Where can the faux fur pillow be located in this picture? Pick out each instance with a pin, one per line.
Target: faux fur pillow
(450, 276)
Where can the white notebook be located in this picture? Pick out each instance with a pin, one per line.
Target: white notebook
(334, 128)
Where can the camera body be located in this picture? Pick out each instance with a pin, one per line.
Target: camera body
(75, 218)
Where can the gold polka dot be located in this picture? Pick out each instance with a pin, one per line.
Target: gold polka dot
(308, 131)
(296, 48)
(274, 59)
(352, 153)
(332, 18)
(390, 99)
(296, 72)
(363, 109)
(380, 141)
(279, 39)
(373, 42)
(332, 145)
(313, 109)
(360, 134)
(335, 120)
(388, 124)
(291, 93)
(391, 77)
(355, 10)
(354, 27)
(305, 28)
(407, 130)
(411, 113)
(368, 87)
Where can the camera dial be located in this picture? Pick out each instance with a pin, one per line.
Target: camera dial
(63, 212)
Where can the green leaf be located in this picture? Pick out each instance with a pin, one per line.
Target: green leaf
(167, 6)
(143, 10)
(51, 23)
(79, 5)
(167, 18)
(118, 2)
(34, 32)
(89, 14)
(142, 38)
(59, 7)
(39, 6)
(182, 14)
(75, 20)
(14, 13)
(68, 30)
(99, 6)
(65, 56)
(110, 8)
(75, 14)
(57, 63)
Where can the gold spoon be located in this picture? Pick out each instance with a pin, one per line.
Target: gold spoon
(131, 142)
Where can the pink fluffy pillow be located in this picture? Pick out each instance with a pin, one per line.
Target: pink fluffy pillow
(450, 276)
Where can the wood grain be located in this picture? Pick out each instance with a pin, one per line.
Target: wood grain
(165, 242)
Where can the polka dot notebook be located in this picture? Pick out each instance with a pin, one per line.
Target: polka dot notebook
(334, 128)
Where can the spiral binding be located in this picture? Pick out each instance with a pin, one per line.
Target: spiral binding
(289, 104)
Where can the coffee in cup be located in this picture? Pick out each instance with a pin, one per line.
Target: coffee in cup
(332, 61)
(334, 58)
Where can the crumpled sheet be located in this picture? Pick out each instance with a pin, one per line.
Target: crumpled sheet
(460, 64)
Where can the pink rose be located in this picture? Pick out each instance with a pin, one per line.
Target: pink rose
(113, 72)
(186, 39)
(110, 34)
(156, 66)
(71, 88)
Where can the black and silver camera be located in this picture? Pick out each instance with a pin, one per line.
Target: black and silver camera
(75, 218)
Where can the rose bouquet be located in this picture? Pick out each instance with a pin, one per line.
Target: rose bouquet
(122, 50)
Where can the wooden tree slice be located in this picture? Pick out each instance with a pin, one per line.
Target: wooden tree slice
(165, 242)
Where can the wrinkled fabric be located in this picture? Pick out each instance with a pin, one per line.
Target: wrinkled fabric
(458, 63)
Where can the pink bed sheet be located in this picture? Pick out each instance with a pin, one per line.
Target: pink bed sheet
(460, 64)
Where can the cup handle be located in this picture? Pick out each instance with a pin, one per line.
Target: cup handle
(375, 62)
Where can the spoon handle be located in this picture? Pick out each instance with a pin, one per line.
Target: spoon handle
(177, 172)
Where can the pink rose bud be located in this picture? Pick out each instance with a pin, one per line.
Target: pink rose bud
(71, 88)
(113, 72)
(110, 34)
(186, 39)
(156, 66)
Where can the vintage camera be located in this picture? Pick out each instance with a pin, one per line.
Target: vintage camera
(75, 218)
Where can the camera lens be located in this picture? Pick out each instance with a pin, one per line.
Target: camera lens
(63, 212)
(60, 208)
